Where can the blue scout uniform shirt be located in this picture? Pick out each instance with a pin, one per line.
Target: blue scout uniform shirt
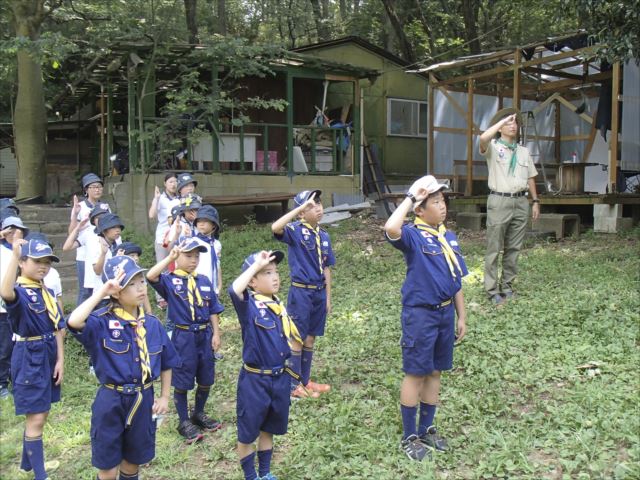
(429, 280)
(303, 253)
(174, 290)
(28, 313)
(111, 344)
(264, 344)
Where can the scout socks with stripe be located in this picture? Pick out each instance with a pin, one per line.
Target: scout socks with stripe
(427, 414)
(408, 420)
(307, 357)
(264, 462)
(248, 466)
(128, 476)
(180, 399)
(296, 365)
(202, 394)
(35, 456)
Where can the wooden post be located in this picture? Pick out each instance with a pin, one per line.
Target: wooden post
(289, 123)
(355, 115)
(468, 189)
(557, 144)
(131, 118)
(431, 107)
(499, 88)
(102, 142)
(109, 122)
(615, 110)
(215, 138)
(516, 79)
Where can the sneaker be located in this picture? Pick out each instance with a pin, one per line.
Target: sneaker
(269, 476)
(510, 295)
(318, 387)
(497, 300)
(432, 440)
(92, 371)
(206, 423)
(414, 449)
(301, 392)
(190, 432)
(4, 392)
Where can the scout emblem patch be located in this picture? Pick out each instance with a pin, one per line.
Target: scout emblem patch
(115, 333)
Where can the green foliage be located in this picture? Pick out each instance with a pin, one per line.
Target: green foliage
(514, 406)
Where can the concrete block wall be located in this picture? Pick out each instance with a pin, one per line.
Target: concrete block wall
(130, 195)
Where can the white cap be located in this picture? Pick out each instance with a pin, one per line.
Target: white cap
(430, 184)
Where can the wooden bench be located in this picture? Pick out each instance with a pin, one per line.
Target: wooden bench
(254, 199)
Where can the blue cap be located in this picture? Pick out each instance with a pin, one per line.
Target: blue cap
(39, 236)
(8, 205)
(90, 178)
(302, 197)
(109, 220)
(192, 244)
(15, 222)
(98, 209)
(127, 247)
(208, 212)
(176, 211)
(185, 179)
(251, 259)
(127, 264)
(35, 248)
(191, 202)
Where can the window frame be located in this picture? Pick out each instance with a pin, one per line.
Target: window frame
(418, 104)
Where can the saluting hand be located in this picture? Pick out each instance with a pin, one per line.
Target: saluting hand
(264, 258)
(156, 193)
(18, 242)
(310, 201)
(76, 207)
(113, 286)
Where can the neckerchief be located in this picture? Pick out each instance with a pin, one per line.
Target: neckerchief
(193, 294)
(141, 338)
(316, 230)
(449, 254)
(514, 149)
(49, 301)
(275, 305)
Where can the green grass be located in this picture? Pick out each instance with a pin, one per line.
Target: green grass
(515, 405)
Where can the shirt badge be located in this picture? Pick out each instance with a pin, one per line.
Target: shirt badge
(205, 288)
(325, 243)
(453, 243)
(429, 240)
(178, 288)
(501, 153)
(29, 291)
(260, 305)
(34, 299)
(115, 333)
(305, 231)
(425, 234)
(115, 325)
(306, 237)
(176, 281)
(263, 312)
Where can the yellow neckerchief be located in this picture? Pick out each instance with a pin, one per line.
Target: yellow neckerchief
(315, 230)
(192, 291)
(449, 254)
(275, 305)
(141, 338)
(49, 301)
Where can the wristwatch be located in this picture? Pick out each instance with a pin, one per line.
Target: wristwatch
(535, 200)
(411, 196)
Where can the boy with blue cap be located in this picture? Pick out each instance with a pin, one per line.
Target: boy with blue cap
(92, 187)
(264, 384)
(309, 302)
(207, 232)
(99, 250)
(37, 361)
(431, 298)
(129, 350)
(193, 307)
(8, 208)
(8, 228)
(186, 184)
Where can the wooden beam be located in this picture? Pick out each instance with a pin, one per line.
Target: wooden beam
(516, 78)
(552, 58)
(591, 141)
(455, 104)
(615, 111)
(568, 138)
(431, 109)
(544, 71)
(573, 108)
(481, 74)
(564, 84)
(460, 131)
(562, 66)
(468, 189)
(557, 132)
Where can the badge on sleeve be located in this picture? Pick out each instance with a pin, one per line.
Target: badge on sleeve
(115, 325)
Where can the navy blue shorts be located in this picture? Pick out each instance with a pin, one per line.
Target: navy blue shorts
(308, 309)
(262, 405)
(32, 365)
(111, 442)
(427, 339)
(198, 362)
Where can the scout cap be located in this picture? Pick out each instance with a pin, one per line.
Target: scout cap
(15, 222)
(192, 244)
(185, 179)
(35, 248)
(302, 197)
(505, 112)
(251, 259)
(110, 220)
(114, 265)
(90, 178)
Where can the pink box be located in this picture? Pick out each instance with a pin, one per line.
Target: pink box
(272, 165)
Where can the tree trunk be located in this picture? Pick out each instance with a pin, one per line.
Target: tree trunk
(221, 24)
(470, 16)
(405, 46)
(192, 26)
(321, 29)
(29, 116)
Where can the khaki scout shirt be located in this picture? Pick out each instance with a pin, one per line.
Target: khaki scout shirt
(498, 158)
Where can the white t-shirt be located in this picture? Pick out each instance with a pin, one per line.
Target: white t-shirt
(94, 250)
(52, 282)
(205, 266)
(85, 210)
(165, 204)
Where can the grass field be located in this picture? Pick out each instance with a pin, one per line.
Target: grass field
(516, 405)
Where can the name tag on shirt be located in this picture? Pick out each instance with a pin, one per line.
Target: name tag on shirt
(325, 243)
(453, 243)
